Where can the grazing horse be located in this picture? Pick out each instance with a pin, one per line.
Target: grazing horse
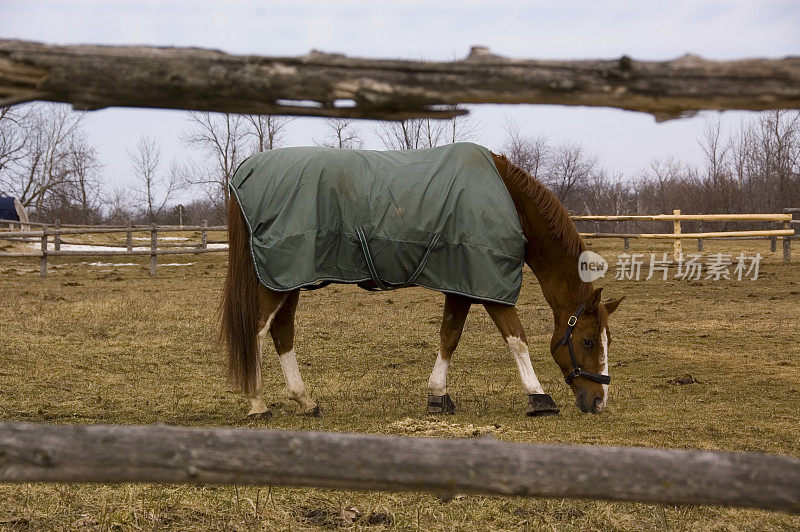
(266, 273)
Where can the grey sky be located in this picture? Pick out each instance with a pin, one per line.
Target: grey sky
(415, 29)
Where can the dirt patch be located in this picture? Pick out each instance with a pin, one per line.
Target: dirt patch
(429, 427)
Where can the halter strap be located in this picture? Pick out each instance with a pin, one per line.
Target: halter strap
(577, 371)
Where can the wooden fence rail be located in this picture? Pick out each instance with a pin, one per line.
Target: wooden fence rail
(114, 453)
(44, 252)
(784, 219)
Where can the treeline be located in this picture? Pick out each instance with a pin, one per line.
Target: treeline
(48, 163)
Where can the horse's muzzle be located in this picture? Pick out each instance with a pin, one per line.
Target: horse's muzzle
(587, 404)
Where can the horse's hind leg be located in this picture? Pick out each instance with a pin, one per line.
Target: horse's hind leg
(282, 331)
(506, 319)
(455, 313)
(270, 303)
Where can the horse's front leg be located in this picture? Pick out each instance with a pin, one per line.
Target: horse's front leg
(455, 313)
(506, 319)
(282, 331)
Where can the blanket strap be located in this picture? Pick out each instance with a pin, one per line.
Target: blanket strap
(374, 273)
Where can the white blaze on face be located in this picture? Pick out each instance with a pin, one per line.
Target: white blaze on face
(437, 383)
(604, 361)
(523, 359)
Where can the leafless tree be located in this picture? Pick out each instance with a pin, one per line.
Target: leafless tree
(266, 131)
(153, 189)
(416, 133)
(529, 153)
(78, 199)
(569, 166)
(13, 134)
(222, 138)
(342, 133)
(44, 161)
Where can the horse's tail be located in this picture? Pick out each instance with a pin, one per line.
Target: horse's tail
(240, 306)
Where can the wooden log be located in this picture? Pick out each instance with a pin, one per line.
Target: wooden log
(318, 84)
(677, 251)
(204, 236)
(113, 454)
(129, 239)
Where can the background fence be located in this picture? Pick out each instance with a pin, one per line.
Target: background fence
(47, 236)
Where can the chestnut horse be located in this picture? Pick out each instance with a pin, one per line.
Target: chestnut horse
(579, 344)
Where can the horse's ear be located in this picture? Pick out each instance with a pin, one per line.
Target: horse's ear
(612, 304)
(594, 300)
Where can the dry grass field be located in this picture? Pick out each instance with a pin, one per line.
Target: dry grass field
(93, 344)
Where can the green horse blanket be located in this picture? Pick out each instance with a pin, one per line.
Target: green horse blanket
(439, 218)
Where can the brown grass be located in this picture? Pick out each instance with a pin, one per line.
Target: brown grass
(103, 345)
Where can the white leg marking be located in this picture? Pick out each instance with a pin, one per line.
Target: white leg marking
(291, 371)
(604, 363)
(437, 383)
(523, 359)
(257, 406)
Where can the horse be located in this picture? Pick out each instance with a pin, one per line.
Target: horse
(551, 248)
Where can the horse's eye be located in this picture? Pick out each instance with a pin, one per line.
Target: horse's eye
(587, 343)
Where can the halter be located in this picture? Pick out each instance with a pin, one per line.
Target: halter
(566, 340)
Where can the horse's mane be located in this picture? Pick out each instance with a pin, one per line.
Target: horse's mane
(557, 217)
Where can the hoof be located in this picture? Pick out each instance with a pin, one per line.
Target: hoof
(310, 412)
(441, 404)
(259, 416)
(541, 404)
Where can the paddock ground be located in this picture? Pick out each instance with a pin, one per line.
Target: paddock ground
(99, 344)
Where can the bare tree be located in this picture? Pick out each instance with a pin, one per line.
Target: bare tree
(222, 139)
(266, 131)
(153, 190)
(44, 160)
(13, 135)
(416, 133)
(342, 133)
(79, 198)
(529, 153)
(569, 166)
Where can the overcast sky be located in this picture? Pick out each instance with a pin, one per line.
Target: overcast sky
(412, 29)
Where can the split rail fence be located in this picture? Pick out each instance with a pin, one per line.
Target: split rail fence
(785, 220)
(318, 84)
(45, 234)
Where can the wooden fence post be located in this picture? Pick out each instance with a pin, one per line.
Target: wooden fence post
(626, 242)
(699, 244)
(204, 236)
(676, 229)
(787, 244)
(43, 259)
(57, 236)
(129, 239)
(773, 241)
(153, 250)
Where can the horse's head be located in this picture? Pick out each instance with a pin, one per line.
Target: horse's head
(580, 348)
